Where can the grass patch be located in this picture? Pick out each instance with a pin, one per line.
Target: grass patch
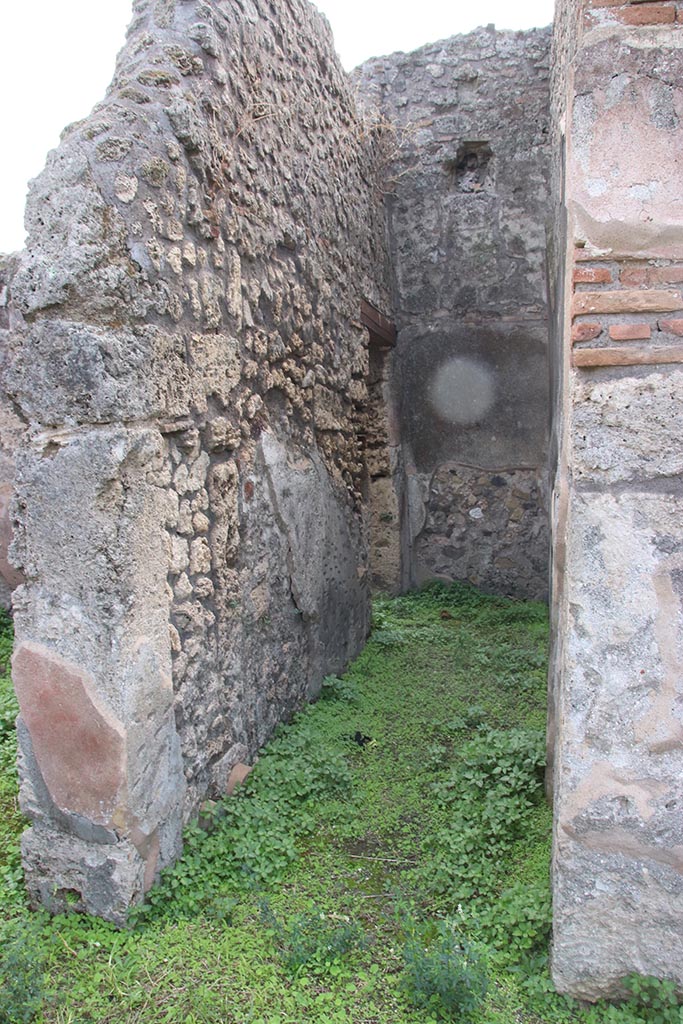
(386, 862)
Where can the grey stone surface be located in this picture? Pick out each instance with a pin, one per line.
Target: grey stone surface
(467, 162)
(186, 349)
(329, 590)
(625, 428)
(616, 718)
(67, 874)
(12, 426)
(384, 488)
(483, 527)
(473, 394)
(213, 464)
(618, 893)
(90, 374)
(92, 648)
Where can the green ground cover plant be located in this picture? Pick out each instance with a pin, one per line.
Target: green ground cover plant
(386, 862)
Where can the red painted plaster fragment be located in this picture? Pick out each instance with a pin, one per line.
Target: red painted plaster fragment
(79, 745)
(237, 777)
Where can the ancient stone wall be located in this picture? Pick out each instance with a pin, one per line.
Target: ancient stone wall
(12, 428)
(383, 491)
(466, 148)
(618, 538)
(568, 16)
(209, 447)
(189, 356)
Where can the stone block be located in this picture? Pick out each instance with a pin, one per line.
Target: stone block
(626, 429)
(66, 874)
(216, 366)
(618, 836)
(222, 435)
(328, 409)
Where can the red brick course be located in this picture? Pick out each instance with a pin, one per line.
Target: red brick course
(647, 14)
(637, 355)
(635, 276)
(626, 302)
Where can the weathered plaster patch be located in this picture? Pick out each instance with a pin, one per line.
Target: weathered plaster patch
(661, 728)
(603, 780)
(78, 743)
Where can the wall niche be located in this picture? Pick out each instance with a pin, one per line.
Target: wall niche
(472, 168)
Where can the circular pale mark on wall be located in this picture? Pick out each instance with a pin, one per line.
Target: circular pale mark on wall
(462, 391)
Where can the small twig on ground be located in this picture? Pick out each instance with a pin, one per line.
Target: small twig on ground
(383, 860)
(67, 947)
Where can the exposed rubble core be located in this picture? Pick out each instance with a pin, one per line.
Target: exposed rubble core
(11, 435)
(278, 336)
(188, 355)
(468, 201)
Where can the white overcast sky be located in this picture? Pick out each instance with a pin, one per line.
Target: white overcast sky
(57, 57)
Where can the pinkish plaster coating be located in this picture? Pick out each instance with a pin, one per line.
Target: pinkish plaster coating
(624, 169)
(79, 745)
(603, 780)
(148, 847)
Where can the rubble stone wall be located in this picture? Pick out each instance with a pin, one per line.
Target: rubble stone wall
(12, 428)
(187, 351)
(617, 677)
(383, 491)
(467, 154)
(210, 462)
